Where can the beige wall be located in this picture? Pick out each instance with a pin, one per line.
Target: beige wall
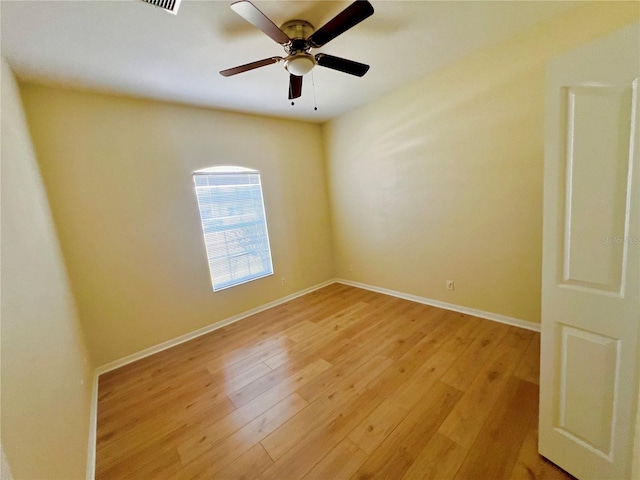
(45, 407)
(119, 177)
(442, 179)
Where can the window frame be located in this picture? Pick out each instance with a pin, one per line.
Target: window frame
(259, 243)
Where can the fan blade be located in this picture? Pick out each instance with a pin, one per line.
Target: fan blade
(255, 17)
(349, 17)
(249, 66)
(295, 86)
(342, 64)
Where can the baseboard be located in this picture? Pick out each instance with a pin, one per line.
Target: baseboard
(215, 326)
(91, 455)
(93, 429)
(496, 317)
(204, 330)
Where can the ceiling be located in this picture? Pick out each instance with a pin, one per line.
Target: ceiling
(132, 48)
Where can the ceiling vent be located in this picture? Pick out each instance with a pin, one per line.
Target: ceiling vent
(170, 6)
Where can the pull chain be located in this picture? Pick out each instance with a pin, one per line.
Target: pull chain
(313, 83)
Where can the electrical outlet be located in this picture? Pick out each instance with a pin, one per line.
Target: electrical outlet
(351, 267)
(449, 284)
(283, 281)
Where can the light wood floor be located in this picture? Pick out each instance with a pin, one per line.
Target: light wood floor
(340, 383)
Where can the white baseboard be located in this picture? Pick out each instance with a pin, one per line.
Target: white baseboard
(204, 330)
(93, 429)
(93, 421)
(496, 317)
(215, 326)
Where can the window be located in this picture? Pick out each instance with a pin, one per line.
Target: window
(234, 225)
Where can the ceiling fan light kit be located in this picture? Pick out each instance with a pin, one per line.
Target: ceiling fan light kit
(298, 37)
(299, 64)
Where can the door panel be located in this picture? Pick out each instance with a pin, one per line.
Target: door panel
(598, 123)
(591, 259)
(588, 393)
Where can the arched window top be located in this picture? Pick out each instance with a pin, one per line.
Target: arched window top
(222, 169)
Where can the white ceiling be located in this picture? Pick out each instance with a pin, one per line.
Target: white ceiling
(132, 48)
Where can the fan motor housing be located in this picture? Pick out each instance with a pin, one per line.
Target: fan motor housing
(297, 29)
(299, 61)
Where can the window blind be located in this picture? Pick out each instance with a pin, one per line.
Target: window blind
(234, 226)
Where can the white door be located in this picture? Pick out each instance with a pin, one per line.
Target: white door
(591, 259)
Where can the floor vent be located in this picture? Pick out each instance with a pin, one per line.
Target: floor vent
(170, 6)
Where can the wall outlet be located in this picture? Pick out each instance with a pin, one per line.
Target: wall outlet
(283, 281)
(449, 284)
(351, 267)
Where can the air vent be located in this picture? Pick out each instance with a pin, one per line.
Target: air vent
(170, 6)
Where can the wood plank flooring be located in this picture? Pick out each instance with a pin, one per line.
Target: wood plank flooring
(341, 383)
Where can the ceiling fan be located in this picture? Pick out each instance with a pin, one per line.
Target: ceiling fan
(298, 37)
